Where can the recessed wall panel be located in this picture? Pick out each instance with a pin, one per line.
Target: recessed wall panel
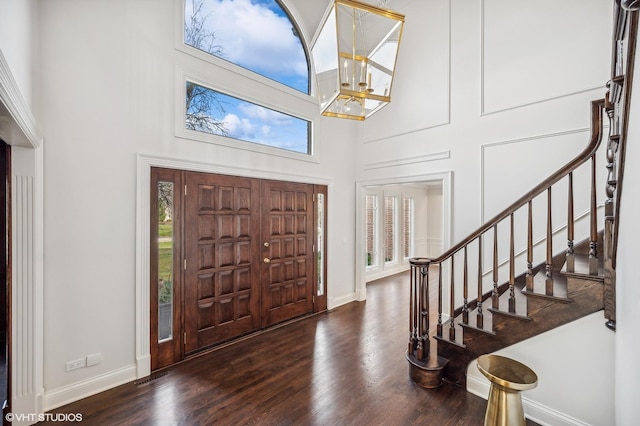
(541, 50)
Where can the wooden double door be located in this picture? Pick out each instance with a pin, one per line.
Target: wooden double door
(248, 251)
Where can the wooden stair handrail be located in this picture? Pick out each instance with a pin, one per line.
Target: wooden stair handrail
(597, 107)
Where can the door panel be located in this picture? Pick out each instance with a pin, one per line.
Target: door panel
(222, 285)
(287, 233)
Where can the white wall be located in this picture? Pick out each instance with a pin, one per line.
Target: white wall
(108, 74)
(18, 34)
(434, 223)
(564, 396)
(627, 344)
(485, 90)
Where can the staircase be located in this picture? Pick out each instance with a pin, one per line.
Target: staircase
(469, 301)
(575, 294)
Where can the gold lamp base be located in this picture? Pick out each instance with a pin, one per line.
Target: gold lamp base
(508, 378)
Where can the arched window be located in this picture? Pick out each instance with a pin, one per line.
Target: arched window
(259, 37)
(256, 34)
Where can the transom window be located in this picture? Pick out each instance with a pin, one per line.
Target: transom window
(214, 112)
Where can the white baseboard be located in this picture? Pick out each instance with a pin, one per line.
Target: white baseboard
(541, 414)
(143, 366)
(334, 302)
(76, 391)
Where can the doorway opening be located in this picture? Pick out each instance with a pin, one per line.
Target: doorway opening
(399, 219)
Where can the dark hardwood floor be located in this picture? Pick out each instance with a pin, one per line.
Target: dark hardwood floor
(345, 367)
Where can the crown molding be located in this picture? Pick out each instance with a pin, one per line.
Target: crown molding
(17, 123)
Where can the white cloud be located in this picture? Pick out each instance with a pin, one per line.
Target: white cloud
(264, 114)
(239, 128)
(254, 36)
(265, 131)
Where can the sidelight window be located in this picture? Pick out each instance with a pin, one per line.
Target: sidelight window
(165, 260)
(390, 229)
(371, 222)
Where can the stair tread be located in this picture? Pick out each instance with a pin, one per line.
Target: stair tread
(445, 333)
(487, 319)
(539, 287)
(581, 268)
(520, 303)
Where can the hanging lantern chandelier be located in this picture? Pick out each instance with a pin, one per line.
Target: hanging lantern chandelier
(354, 57)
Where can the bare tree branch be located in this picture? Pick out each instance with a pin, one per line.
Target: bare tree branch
(202, 104)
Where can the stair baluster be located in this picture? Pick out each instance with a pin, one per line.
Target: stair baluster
(495, 295)
(465, 290)
(423, 343)
(512, 274)
(529, 276)
(439, 326)
(570, 261)
(548, 266)
(593, 245)
(479, 314)
(452, 305)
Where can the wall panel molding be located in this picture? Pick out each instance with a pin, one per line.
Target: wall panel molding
(408, 160)
(404, 124)
(570, 88)
(484, 148)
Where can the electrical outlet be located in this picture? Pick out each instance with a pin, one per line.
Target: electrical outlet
(74, 365)
(94, 359)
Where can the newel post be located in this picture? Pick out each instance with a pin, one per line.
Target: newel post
(425, 370)
(419, 308)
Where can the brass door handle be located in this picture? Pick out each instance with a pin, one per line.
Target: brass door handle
(267, 260)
